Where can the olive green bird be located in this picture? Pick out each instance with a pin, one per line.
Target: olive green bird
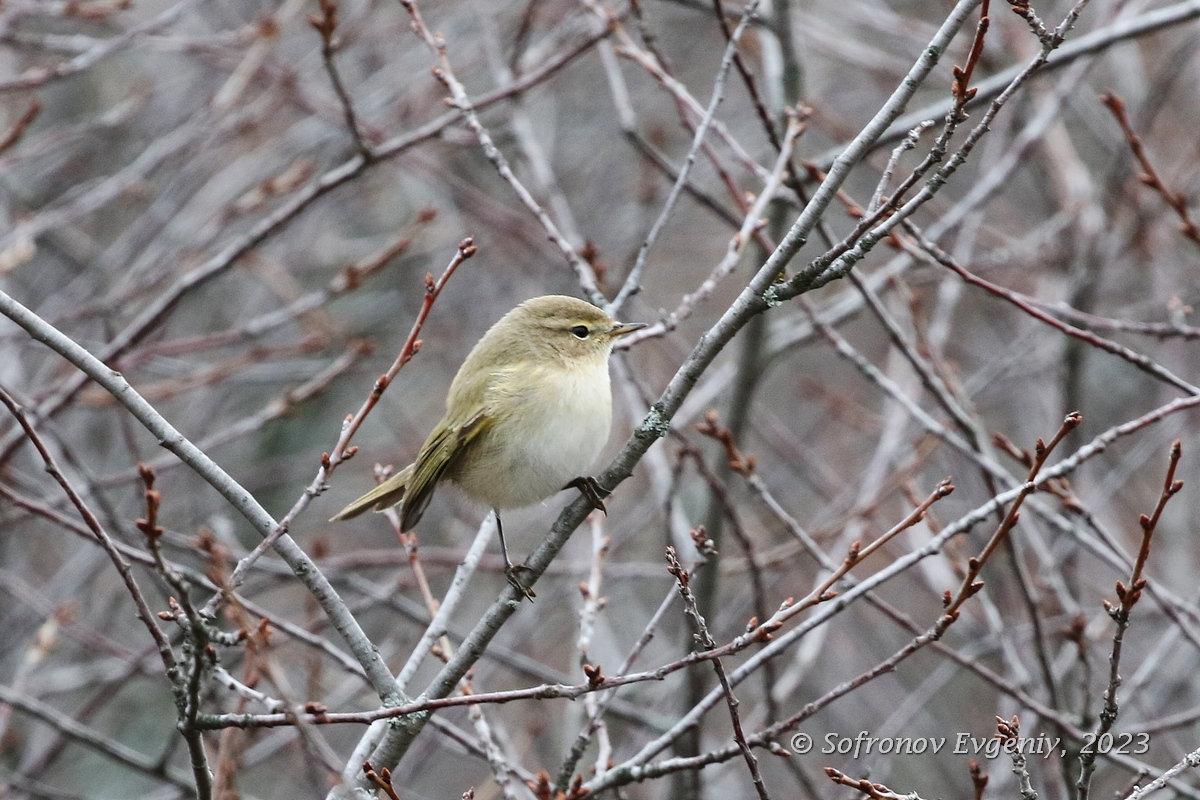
(527, 415)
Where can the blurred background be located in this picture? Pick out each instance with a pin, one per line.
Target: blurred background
(181, 194)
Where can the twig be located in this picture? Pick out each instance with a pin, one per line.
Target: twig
(342, 450)
(1190, 761)
(1127, 596)
(19, 127)
(970, 585)
(875, 791)
(170, 438)
(459, 99)
(631, 284)
(326, 25)
(382, 779)
(682, 578)
(1009, 732)
(1133, 357)
(908, 143)
(1149, 176)
(979, 778)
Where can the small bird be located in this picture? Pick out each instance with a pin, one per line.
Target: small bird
(526, 416)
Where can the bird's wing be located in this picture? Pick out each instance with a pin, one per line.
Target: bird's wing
(440, 450)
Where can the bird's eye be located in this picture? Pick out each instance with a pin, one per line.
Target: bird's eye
(580, 331)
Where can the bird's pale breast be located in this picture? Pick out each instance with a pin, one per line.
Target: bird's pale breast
(553, 426)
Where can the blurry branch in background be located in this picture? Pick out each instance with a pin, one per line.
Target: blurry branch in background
(326, 26)
(376, 671)
(1176, 200)
(632, 281)
(18, 128)
(40, 76)
(342, 450)
(459, 99)
(183, 677)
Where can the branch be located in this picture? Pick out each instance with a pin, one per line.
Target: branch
(342, 451)
(1127, 597)
(343, 621)
(326, 25)
(1176, 200)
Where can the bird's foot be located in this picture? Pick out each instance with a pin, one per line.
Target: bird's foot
(511, 572)
(592, 491)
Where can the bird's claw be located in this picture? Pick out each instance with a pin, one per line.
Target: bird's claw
(591, 490)
(511, 572)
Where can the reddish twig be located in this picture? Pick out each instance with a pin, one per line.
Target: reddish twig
(412, 345)
(1127, 597)
(342, 450)
(382, 779)
(970, 584)
(326, 25)
(962, 75)
(875, 791)
(1009, 732)
(19, 127)
(979, 778)
(682, 579)
(712, 428)
(1133, 357)
(1149, 176)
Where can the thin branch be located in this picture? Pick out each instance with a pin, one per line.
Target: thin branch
(326, 25)
(631, 284)
(682, 578)
(19, 127)
(342, 450)
(170, 438)
(1133, 357)
(1127, 596)
(1176, 200)
(460, 100)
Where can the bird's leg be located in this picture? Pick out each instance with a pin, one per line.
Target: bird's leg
(592, 491)
(511, 571)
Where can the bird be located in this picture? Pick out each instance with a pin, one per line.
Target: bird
(527, 415)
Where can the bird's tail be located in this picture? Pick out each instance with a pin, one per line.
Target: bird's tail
(386, 494)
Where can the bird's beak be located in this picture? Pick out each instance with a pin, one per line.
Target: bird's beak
(622, 328)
